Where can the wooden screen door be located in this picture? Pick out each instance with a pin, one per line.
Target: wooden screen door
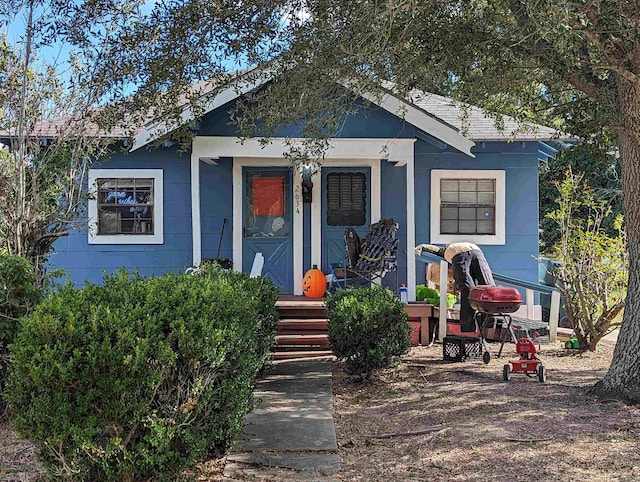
(267, 224)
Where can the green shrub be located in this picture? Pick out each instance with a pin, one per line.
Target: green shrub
(593, 271)
(432, 296)
(19, 294)
(140, 377)
(368, 329)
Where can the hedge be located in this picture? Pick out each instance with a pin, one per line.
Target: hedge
(368, 329)
(19, 294)
(140, 377)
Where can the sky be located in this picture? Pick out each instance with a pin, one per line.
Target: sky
(58, 53)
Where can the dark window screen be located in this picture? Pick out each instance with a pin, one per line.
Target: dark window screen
(346, 199)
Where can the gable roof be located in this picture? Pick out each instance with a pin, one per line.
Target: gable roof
(245, 83)
(478, 125)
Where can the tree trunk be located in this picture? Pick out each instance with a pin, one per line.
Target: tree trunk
(622, 381)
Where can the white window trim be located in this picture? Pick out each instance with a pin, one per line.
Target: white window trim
(158, 211)
(491, 239)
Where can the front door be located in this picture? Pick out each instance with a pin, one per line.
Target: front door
(267, 224)
(346, 201)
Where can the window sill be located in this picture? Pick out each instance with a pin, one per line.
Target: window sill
(126, 239)
(479, 239)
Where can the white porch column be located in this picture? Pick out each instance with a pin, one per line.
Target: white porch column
(316, 219)
(298, 209)
(195, 210)
(411, 231)
(237, 215)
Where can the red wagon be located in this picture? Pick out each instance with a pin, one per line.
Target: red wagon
(528, 363)
(502, 300)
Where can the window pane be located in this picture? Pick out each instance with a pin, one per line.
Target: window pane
(449, 197)
(107, 189)
(467, 227)
(486, 185)
(109, 184)
(468, 197)
(448, 227)
(486, 198)
(486, 213)
(449, 213)
(486, 227)
(268, 196)
(468, 185)
(448, 185)
(107, 221)
(126, 212)
(467, 213)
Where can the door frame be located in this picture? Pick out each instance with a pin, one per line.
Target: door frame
(318, 198)
(297, 225)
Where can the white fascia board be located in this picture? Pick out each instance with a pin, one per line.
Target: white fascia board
(155, 130)
(396, 150)
(423, 121)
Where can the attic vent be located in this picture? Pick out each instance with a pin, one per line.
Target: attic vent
(346, 199)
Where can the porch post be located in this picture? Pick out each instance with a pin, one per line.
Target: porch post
(298, 233)
(237, 216)
(195, 209)
(411, 231)
(316, 218)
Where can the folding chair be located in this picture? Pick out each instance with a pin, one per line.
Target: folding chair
(371, 259)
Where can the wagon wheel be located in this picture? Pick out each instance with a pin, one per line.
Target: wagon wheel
(542, 374)
(486, 357)
(506, 373)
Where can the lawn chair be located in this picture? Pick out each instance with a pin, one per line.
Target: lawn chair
(369, 260)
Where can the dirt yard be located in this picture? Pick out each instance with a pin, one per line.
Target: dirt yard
(430, 420)
(439, 421)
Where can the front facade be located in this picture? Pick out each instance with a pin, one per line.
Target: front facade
(159, 210)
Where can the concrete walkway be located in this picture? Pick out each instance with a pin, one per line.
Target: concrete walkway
(290, 435)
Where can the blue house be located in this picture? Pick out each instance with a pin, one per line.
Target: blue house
(441, 174)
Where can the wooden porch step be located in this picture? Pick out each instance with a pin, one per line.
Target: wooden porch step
(303, 324)
(306, 303)
(285, 355)
(301, 308)
(316, 340)
(302, 329)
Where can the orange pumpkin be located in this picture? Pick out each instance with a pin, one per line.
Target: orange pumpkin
(314, 283)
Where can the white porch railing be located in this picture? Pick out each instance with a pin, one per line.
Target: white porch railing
(530, 289)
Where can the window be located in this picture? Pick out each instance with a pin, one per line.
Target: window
(468, 206)
(346, 199)
(126, 206)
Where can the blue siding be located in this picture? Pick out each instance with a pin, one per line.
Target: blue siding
(216, 200)
(519, 160)
(520, 163)
(372, 122)
(83, 261)
(393, 200)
